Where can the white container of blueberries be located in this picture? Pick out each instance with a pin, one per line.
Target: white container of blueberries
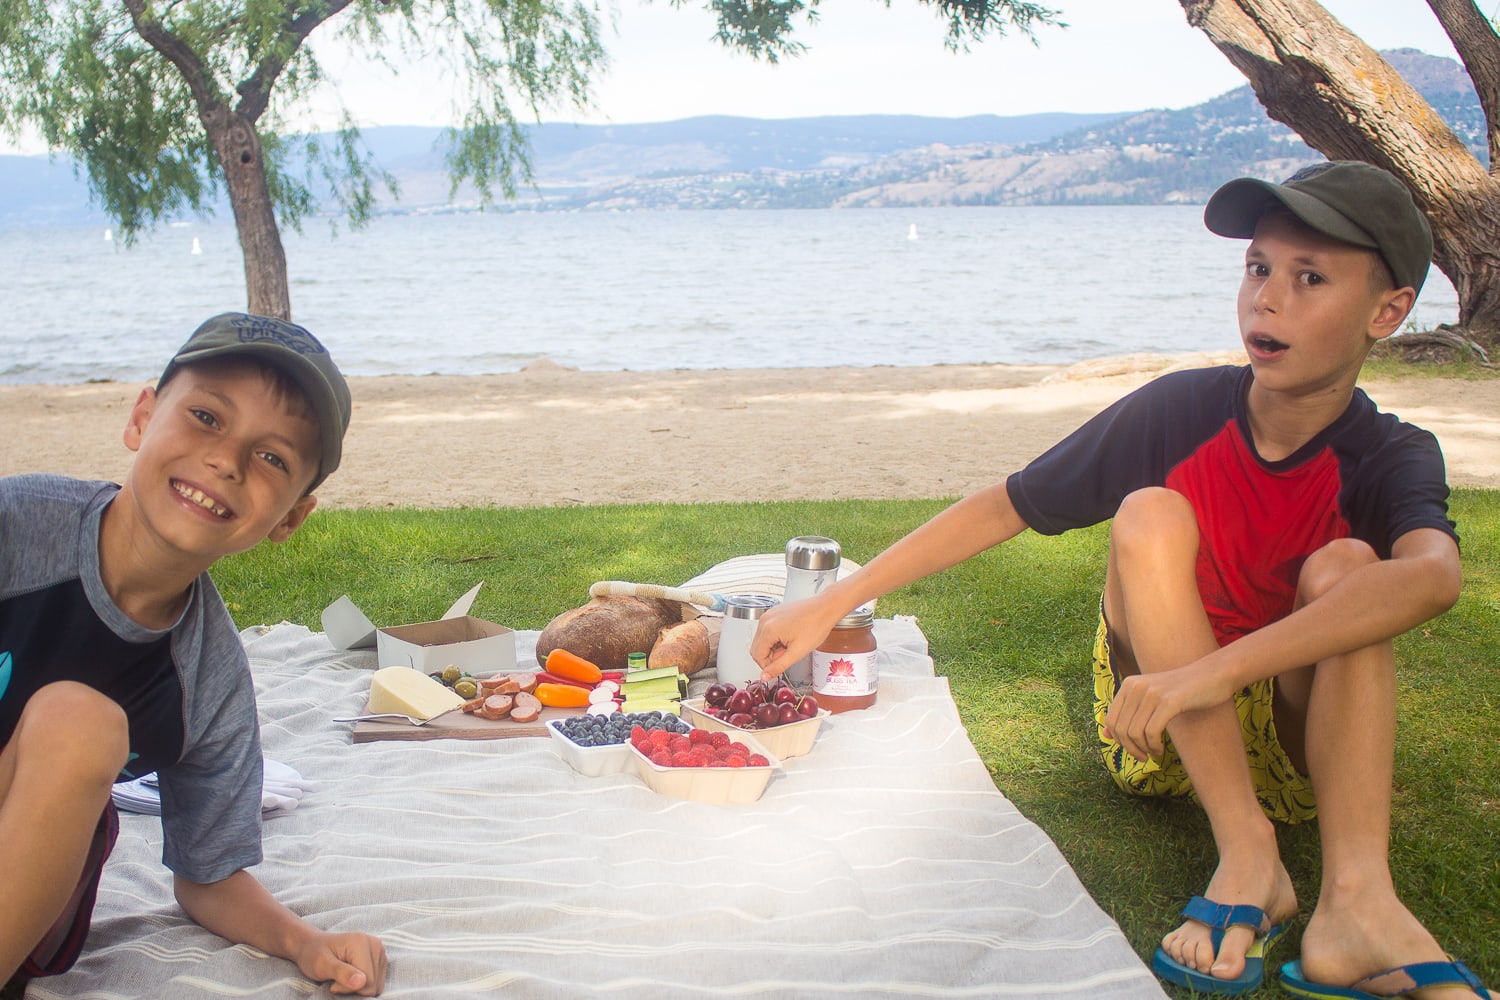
(591, 762)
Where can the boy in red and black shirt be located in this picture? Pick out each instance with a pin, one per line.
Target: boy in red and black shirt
(1263, 518)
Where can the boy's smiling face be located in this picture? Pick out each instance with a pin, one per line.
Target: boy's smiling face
(1310, 306)
(223, 460)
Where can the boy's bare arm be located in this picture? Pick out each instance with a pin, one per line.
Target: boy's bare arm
(1372, 604)
(241, 910)
(979, 521)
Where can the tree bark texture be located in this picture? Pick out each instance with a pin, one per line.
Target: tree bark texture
(1315, 76)
(240, 155)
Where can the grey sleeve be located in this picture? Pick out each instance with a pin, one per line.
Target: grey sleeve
(211, 797)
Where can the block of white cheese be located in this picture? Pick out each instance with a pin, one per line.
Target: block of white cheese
(410, 692)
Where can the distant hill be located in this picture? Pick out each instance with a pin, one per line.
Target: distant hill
(1147, 157)
(1153, 157)
(569, 160)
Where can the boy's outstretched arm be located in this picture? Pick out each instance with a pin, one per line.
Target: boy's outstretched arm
(1372, 604)
(241, 910)
(981, 520)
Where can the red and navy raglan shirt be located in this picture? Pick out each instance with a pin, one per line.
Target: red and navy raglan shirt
(186, 691)
(1367, 475)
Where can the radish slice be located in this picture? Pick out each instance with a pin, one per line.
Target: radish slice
(603, 708)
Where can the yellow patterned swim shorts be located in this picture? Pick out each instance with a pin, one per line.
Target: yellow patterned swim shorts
(1283, 793)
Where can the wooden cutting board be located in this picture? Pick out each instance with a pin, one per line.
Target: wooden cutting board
(458, 726)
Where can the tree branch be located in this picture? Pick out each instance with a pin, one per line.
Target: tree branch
(255, 91)
(177, 52)
(1474, 38)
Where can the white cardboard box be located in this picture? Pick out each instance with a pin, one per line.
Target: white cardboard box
(472, 644)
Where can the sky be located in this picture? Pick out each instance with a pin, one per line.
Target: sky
(866, 58)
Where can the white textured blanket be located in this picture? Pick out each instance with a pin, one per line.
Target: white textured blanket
(883, 863)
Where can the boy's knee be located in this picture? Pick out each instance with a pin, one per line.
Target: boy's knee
(58, 714)
(1153, 515)
(1330, 564)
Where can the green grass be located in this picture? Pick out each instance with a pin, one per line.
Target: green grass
(1011, 629)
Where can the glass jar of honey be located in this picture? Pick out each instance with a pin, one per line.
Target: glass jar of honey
(844, 675)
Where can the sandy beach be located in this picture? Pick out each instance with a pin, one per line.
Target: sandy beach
(550, 435)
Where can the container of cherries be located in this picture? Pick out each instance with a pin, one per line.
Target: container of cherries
(783, 719)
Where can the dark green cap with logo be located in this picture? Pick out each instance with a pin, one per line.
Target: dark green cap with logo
(290, 349)
(1351, 201)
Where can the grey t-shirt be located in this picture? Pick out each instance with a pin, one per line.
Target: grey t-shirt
(186, 690)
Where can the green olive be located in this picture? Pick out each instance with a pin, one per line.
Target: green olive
(466, 688)
(451, 673)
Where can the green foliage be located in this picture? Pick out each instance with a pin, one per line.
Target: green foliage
(764, 28)
(1011, 629)
(125, 86)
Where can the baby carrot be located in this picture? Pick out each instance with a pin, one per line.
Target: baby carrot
(566, 664)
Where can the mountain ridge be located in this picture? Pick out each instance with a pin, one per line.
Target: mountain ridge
(1156, 156)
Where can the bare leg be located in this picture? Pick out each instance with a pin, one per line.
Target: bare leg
(1158, 623)
(1359, 926)
(55, 778)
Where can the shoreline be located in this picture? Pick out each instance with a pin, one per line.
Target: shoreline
(548, 435)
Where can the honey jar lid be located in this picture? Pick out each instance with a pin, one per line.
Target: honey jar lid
(862, 617)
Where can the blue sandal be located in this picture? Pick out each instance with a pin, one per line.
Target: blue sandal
(1220, 917)
(1397, 982)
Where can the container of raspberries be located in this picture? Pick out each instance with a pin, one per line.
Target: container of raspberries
(784, 720)
(599, 744)
(703, 766)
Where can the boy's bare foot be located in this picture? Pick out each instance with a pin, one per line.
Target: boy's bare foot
(1356, 934)
(1256, 883)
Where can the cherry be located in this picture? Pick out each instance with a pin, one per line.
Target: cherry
(767, 715)
(717, 694)
(740, 701)
(788, 713)
(741, 720)
(807, 707)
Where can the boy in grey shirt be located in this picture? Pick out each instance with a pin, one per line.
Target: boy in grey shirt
(118, 657)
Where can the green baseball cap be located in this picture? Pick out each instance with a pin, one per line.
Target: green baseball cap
(1349, 200)
(290, 349)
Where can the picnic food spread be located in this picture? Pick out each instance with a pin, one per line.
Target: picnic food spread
(612, 680)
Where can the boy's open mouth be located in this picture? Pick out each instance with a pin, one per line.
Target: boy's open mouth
(200, 498)
(1267, 345)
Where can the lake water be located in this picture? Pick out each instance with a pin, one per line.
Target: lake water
(492, 292)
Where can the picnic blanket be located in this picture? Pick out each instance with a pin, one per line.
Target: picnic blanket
(882, 863)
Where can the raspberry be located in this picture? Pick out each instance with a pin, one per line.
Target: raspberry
(757, 760)
(661, 759)
(718, 740)
(678, 744)
(717, 763)
(637, 730)
(660, 738)
(701, 757)
(699, 736)
(682, 759)
(735, 761)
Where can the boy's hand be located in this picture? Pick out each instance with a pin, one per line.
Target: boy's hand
(788, 632)
(1147, 703)
(350, 962)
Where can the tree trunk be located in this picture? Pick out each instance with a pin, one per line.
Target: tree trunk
(238, 147)
(1346, 102)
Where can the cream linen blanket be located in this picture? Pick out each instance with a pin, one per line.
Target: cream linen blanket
(883, 863)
